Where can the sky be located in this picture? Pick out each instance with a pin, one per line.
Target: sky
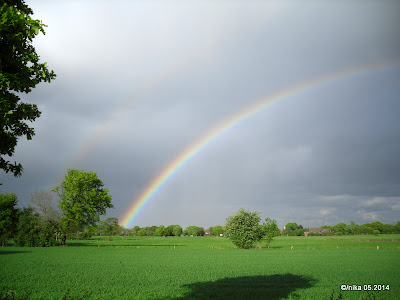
(138, 82)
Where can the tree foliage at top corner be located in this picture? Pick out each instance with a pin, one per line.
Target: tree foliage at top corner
(20, 72)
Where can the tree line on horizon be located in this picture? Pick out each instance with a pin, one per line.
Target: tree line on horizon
(41, 224)
(290, 229)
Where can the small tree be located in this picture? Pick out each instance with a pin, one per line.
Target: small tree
(43, 203)
(82, 200)
(243, 228)
(270, 229)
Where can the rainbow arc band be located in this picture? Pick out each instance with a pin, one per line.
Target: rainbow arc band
(172, 168)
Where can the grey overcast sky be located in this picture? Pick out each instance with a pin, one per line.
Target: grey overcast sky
(140, 81)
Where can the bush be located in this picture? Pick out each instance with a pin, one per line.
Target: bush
(8, 217)
(32, 231)
(243, 229)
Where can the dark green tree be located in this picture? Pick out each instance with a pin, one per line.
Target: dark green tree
(33, 231)
(243, 228)
(20, 72)
(82, 200)
(8, 217)
(396, 228)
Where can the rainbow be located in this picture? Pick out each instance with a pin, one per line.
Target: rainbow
(157, 183)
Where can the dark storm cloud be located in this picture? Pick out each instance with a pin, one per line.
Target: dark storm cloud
(134, 91)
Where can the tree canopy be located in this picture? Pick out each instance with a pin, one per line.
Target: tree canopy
(243, 228)
(82, 199)
(20, 71)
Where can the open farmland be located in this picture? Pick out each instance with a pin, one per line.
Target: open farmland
(203, 268)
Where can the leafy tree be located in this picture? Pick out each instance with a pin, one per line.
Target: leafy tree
(217, 230)
(339, 228)
(243, 228)
(135, 230)
(142, 232)
(396, 228)
(177, 231)
(82, 200)
(32, 231)
(195, 230)
(160, 231)
(8, 216)
(290, 228)
(169, 230)
(151, 230)
(270, 229)
(111, 227)
(20, 72)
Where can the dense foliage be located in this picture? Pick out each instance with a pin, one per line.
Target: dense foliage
(8, 216)
(368, 228)
(33, 231)
(243, 228)
(82, 200)
(20, 71)
(270, 230)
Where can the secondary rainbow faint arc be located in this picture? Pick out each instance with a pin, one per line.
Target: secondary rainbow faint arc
(229, 123)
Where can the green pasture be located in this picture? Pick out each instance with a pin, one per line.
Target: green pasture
(203, 268)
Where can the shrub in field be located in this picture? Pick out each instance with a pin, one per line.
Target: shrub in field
(243, 228)
(270, 229)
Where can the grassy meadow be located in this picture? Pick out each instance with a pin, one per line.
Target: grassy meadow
(203, 268)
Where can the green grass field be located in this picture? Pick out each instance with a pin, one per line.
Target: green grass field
(203, 268)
